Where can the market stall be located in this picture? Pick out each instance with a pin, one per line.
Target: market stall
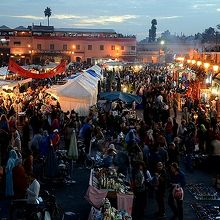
(106, 183)
(75, 95)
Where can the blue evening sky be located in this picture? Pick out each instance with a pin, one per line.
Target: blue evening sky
(125, 16)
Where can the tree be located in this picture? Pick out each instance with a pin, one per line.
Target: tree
(166, 35)
(47, 13)
(209, 35)
(152, 31)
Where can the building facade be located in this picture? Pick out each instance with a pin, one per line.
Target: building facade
(38, 43)
(155, 52)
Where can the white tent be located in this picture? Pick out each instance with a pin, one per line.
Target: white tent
(81, 79)
(97, 69)
(4, 71)
(93, 79)
(75, 94)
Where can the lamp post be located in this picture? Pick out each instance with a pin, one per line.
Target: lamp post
(161, 46)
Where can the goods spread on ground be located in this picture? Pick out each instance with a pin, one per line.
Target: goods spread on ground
(107, 212)
(203, 192)
(206, 212)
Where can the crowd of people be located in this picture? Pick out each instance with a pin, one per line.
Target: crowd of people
(147, 150)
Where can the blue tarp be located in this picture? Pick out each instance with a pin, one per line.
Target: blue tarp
(92, 73)
(125, 97)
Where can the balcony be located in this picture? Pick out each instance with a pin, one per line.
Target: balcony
(53, 51)
(133, 53)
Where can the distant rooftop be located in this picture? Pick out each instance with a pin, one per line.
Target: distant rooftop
(21, 28)
(84, 30)
(44, 28)
(3, 27)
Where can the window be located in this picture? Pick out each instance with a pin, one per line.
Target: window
(113, 47)
(39, 46)
(122, 47)
(89, 47)
(101, 47)
(17, 43)
(77, 47)
(51, 46)
(64, 47)
(133, 47)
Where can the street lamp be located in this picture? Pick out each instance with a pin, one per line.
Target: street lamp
(206, 65)
(162, 42)
(199, 63)
(189, 61)
(193, 62)
(215, 68)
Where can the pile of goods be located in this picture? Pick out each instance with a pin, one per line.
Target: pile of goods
(203, 192)
(109, 179)
(107, 212)
(206, 212)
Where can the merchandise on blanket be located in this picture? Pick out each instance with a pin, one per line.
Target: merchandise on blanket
(110, 213)
(216, 181)
(206, 212)
(203, 192)
(197, 159)
(109, 179)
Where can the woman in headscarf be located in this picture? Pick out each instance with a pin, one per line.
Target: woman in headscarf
(13, 161)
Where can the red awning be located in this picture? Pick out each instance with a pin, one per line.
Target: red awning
(14, 67)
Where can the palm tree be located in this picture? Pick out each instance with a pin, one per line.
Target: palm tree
(47, 13)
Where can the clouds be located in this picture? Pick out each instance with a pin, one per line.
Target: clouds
(29, 17)
(169, 17)
(203, 5)
(104, 20)
(82, 20)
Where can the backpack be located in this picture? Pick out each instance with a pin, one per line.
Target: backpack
(178, 193)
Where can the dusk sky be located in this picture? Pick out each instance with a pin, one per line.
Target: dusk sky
(124, 16)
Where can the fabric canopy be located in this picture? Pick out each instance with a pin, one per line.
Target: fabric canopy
(78, 94)
(14, 67)
(125, 97)
(95, 71)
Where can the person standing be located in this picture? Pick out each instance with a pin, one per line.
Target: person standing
(139, 191)
(160, 188)
(175, 106)
(177, 179)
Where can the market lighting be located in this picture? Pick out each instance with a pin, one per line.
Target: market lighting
(125, 89)
(206, 65)
(214, 91)
(189, 61)
(193, 62)
(180, 59)
(215, 68)
(199, 63)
